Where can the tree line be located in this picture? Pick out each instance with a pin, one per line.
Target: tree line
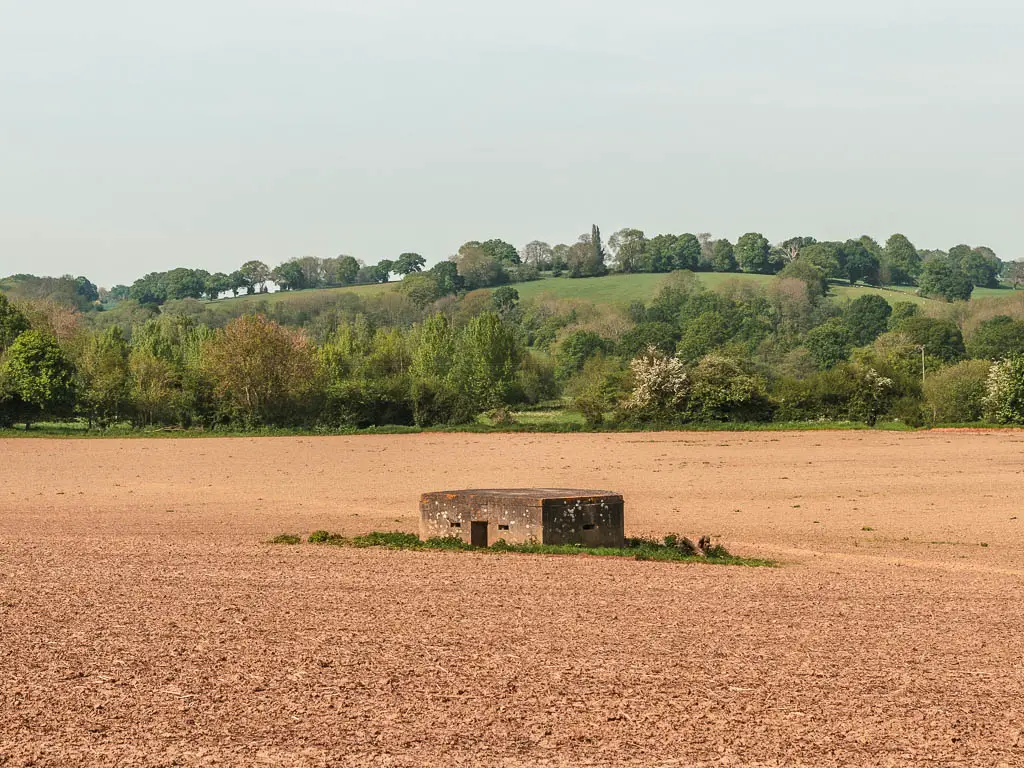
(951, 275)
(784, 351)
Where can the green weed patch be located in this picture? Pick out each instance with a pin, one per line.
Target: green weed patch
(670, 549)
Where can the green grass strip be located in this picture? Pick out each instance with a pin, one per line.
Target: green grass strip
(669, 549)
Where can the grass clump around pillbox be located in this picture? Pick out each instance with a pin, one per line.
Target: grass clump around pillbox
(672, 548)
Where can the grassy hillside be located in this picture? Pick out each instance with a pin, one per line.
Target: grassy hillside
(291, 296)
(619, 289)
(622, 289)
(612, 289)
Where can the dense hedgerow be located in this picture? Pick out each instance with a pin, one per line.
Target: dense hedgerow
(431, 352)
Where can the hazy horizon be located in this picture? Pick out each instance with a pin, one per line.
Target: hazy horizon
(206, 134)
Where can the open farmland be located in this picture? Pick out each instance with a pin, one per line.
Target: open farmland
(144, 621)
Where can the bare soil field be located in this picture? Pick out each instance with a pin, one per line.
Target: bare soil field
(144, 621)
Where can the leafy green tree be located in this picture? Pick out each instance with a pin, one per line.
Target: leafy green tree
(368, 274)
(184, 283)
(86, 290)
(902, 310)
(1004, 398)
(858, 263)
(559, 258)
(813, 277)
(575, 349)
(12, 323)
(872, 246)
(687, 252)
(408, 263)
(446, 275)
(438, 398)
(867, 317)
(679, 290)
(655, 334)
(723, 256)
(421, 288)
(384, 269)
(38, 377)
(262, 372)
(586, 257)
(456, 375)
(236, 282)
(598, 388)
(168, 383)
(289, 276)
(982, 267)
(901, 261)
(960, 252)
(703, 334)
(504, 300)
(778, 258)
(628, 245)
(489, 353)
(156, 388)
(752, 251)
(829, 344)
(826, 256)
(1014, 273)
(346, 268)
(256, 274)
(578, 257)
(723, 390)
(150, 289)
(478, 268)
(794, 246)
(661, 253)
(1000, 337)
(956, 394)
(66, 290)
(940, 338)
(216, 284)
(596, 265)
(944, 278)
(104, 378)
(500, 251)
(365, 377)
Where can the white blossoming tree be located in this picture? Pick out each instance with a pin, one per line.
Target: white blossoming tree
(871, 395)
(1004, 399)
(661, 387)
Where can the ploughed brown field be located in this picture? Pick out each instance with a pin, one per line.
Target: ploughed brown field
(144, 621)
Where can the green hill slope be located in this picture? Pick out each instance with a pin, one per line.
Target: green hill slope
(622, 289)
(611, 289)
(259, 299)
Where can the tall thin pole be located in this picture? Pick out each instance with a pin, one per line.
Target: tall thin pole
(922, 366)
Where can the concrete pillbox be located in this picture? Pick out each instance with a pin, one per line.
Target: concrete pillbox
(521, 515)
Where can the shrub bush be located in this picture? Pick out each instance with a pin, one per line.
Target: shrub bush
(956, 394)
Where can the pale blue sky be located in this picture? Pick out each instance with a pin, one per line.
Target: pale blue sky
(137, 137)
